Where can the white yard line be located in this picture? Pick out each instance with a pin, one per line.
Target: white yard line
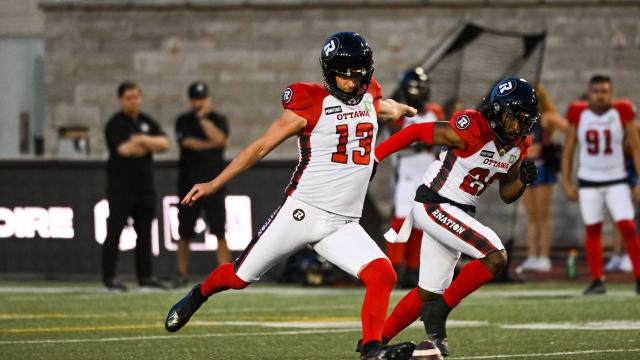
(564, 353)
(292, 291)
(326, 324)
(591, 325)
(169, 337)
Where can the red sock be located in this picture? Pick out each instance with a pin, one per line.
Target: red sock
(403, 315)
(412, 252)
(395, 251)
(593, 248)
(221, 279)
(471, 277)
(379, 278)
(628, 231)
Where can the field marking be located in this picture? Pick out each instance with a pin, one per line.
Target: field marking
(292, 291)
(327, 323)
(164, 337)
(591, 325)
(80, 328)
(20, 316)
(581, 352)
(318, 323)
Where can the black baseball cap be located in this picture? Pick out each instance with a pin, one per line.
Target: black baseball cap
(198, 90)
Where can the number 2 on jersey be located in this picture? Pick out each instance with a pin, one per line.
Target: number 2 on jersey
(474, 183)
(361, 156)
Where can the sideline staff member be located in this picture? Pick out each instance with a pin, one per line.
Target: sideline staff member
(132, 137)
(202, 136)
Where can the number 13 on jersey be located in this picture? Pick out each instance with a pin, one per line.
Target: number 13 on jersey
(360, 155)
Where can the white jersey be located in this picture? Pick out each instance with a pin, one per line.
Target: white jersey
(410, 164)
(335, 148)
(601, 139)
(462, 175)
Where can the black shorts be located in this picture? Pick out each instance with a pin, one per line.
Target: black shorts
(214, 211)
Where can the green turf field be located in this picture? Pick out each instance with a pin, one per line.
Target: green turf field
(82, 321)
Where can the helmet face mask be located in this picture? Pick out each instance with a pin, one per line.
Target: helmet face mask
(514, 98)
(347, 54)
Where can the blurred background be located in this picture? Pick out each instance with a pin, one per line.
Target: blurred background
(61, 62)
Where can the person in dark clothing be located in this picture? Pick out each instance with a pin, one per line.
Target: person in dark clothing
(132, 137)
(202, 135)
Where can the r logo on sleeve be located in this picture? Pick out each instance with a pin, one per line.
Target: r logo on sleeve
(463, 122)
(287, 95)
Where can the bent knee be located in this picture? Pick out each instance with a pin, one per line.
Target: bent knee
(495, 261)
(426, 295)
(379, 271)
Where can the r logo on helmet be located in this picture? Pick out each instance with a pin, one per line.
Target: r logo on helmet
(287, 95)
(330, 48)
(463, 122)
(507, 88)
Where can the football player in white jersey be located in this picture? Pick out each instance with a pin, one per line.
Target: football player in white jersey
(336, 125)
(600, 126)
(483, 147)
(410, 164)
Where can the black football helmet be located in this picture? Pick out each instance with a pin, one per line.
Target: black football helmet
(414, 87)
(518, 99)
(346, 54)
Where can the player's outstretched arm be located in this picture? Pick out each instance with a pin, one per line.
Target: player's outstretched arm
(567, 162)
(391, 110)
(288, 124)
(439, 132)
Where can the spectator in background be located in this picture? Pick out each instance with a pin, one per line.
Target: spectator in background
(132, 137)
(537, 197)
(410, 165)
(452, 105)
(202, 135)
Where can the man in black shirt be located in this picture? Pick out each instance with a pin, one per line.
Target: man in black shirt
(202, 135)
(132, 137)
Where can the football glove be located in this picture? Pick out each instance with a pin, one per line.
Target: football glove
(528, 172)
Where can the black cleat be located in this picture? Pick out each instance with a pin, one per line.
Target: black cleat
(181, 312)
(596, 288)
(113, 284)
(401, 351)
(359, 349)
(434, 316)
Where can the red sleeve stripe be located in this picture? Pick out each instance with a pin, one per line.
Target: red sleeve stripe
(438, 182)
(404, 137)
(305, 157)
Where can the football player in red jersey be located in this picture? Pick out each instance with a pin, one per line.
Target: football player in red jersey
(336, 125)
(601, 126)
(483, 147)
(410, 164)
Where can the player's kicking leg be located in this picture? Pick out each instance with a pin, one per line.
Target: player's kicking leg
(278, 237)
(448, 232)
(352, 250)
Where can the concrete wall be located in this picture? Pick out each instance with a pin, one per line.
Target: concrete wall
(248, 51)
(20, 17)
